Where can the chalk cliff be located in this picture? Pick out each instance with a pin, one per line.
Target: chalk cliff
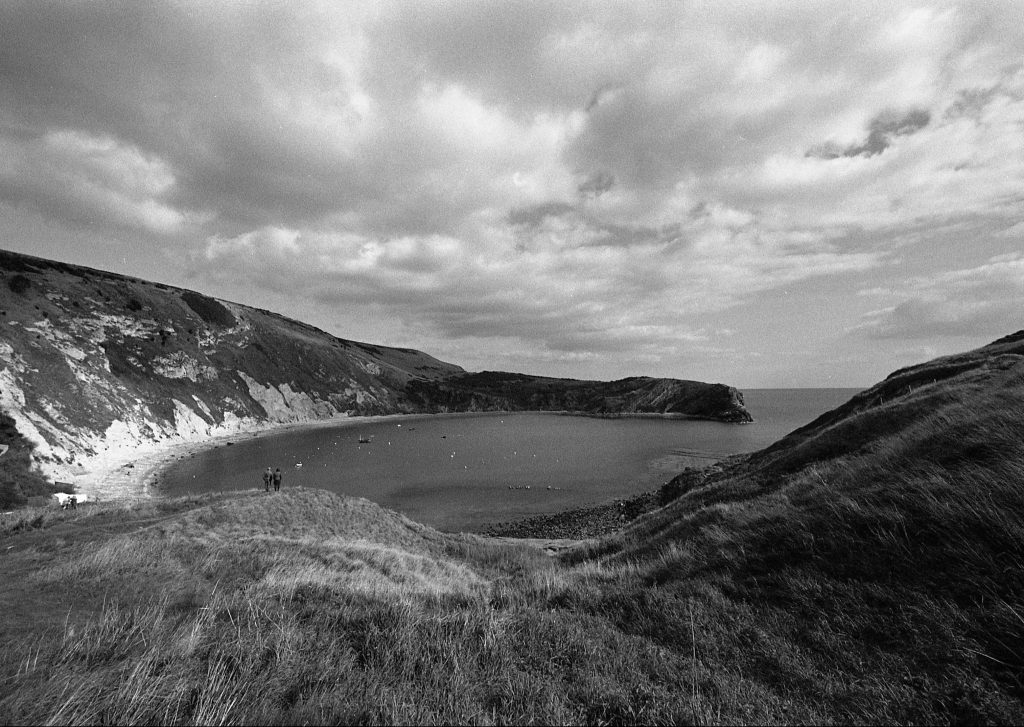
(96, 368)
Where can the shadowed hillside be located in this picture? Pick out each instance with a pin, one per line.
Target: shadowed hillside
(880, 579)
(19, 480)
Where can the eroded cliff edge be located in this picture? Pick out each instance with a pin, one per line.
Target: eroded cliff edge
(97, 367)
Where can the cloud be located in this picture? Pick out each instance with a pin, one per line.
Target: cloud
(596, 184)
(983, 300)
(87, 180)
(567, 286)
(882, 131)
(533, 215)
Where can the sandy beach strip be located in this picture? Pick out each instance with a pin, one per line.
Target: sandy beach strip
(134, 476)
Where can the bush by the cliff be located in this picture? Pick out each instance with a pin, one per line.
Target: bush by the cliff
(19, 480)
(208, 309)
(19, 284)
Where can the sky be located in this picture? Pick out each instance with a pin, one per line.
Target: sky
(774, 194)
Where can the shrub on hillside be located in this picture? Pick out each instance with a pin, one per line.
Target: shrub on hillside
(208, 309)
(682, 483)
(19, 284)
(19, 480)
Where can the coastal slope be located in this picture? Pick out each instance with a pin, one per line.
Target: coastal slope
(97, 369)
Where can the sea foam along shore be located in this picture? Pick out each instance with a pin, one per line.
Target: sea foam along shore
(136, 476)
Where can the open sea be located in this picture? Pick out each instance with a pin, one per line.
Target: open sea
(461, 471)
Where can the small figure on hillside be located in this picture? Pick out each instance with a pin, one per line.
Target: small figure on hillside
(277, 480)
(268, 475)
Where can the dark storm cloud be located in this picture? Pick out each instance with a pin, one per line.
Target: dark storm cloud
(596, 184)
(882, 132)
(222, 94)
(535, 214)
(518, 55)
(150, 75)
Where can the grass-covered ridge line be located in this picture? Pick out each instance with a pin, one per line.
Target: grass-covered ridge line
(870, 569)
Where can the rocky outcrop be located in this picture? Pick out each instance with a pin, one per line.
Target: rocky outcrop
(97, 367)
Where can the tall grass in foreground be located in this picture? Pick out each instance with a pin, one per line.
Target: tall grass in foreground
(271, 629)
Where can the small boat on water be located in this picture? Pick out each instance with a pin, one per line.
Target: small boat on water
(365, 440)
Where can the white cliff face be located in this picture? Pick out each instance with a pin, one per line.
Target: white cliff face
(370, 367)
(179, 365)
(283, 404)
(12, 402)
(68, 449)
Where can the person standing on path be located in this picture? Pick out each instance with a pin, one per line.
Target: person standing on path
(268, 475)
(277, 480)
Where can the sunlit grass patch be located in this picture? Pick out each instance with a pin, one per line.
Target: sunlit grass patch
(372, 569)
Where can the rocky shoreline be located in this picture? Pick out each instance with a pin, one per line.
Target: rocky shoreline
(587, 522)
(604, 519)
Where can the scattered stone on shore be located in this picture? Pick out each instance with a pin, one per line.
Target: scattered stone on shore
(587, 522)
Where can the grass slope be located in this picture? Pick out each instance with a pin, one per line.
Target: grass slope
(870, 570)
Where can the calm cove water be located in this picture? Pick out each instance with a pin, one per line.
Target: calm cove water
(461, 471)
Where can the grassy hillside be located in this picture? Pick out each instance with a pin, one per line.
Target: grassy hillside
(870, 569)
